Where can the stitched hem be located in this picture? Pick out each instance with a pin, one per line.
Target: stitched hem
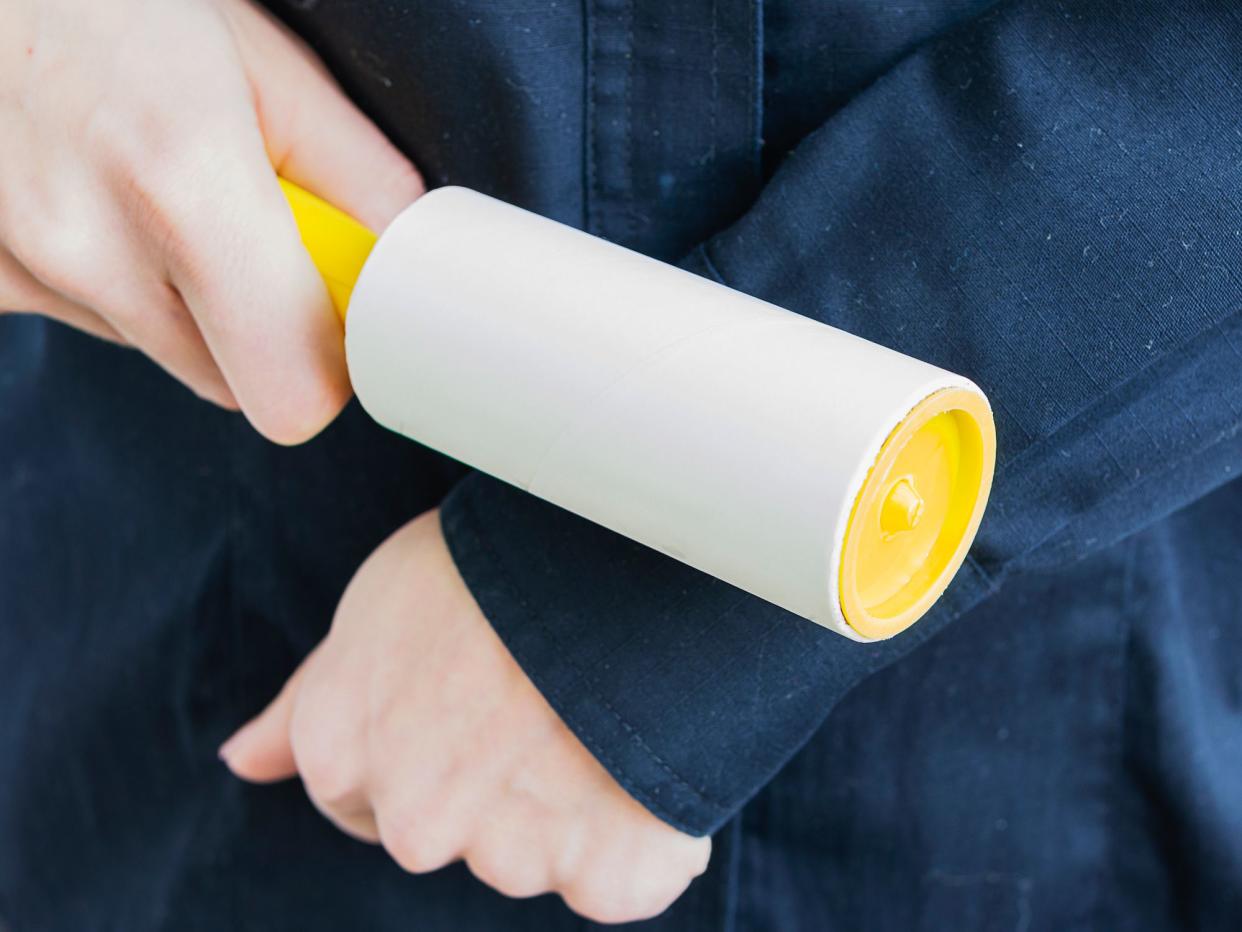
(646, 775)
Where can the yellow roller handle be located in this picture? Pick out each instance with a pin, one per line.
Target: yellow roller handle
(338, 244)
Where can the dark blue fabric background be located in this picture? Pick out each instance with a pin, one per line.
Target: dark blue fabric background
(1041, 195)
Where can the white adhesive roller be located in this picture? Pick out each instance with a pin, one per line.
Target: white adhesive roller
(824, 473)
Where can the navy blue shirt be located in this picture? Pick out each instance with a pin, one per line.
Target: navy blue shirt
(1041, 195)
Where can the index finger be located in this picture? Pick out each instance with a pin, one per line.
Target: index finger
(258, 299)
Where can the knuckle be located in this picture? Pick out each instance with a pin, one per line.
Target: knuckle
(131, 137)
(327, 781)
(676, 853)
(698, 856)
(58, 255)
(74, 249)
(414, 836)
(412, 845)
(594, 896)
(295, 417)
(329, 776)
(131, 308)
(596, 905)
(163, 223)
(626, 896)
(156, 204)
(163, 178)
(511, 872)
(289, 391)
(157, 148)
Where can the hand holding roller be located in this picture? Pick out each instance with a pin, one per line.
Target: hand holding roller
(824, 473)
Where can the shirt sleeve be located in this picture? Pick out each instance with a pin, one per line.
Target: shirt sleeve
(1044, 199)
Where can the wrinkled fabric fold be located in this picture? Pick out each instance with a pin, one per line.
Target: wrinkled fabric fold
(997, 204)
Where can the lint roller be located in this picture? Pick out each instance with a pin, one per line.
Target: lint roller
(834, 477)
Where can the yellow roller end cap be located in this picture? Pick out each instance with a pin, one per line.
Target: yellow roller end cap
(917, 513)
(338, 244)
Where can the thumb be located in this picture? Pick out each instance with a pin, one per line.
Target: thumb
(315, 136)
(261, 751)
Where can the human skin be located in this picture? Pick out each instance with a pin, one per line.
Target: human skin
(411, 725)
(138, 200)
(138, 203)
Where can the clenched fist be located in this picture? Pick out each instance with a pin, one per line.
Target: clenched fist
(412, 726)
